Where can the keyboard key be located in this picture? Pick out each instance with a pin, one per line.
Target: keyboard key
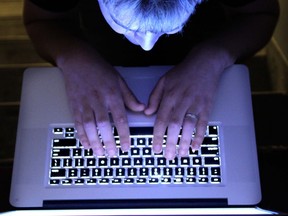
(212, 161)
(135, 152)
(191, 171)
(102, 162)
(58, 130)
(91, 162)
(96, 173)
(203, 171)
(140, 141)
(216, 180)
(58, 173)
(215, 171)
(190, 180)
(153, 180)
(137, 131)
(66, 182)
(168, 171)
(143, 172)
(179, 171)
(166, 180)
(141, 180)
(60, 153)
(69, 130)
(91, 181)
(132, 172)
(79, 182)
(128, 181)
(138, 162)
(173, 162)
(209, 150)
(203, 180)
(108, 172)
(123, 153)
(88, 153)
(213, 130)
(116, 181)
(55, 163)
(149, 161)
(210, 141)
(197, 161)
(67, 163)
(114, 162)
(185, 161)
(84, 173)
(64, 143)
(79, 162)
(120, 172)
(73, 173)
(178, 180)
(156, 171)
(54, 182)
(77, 153)
(161, 161)
(104, 181)
(147, 151)
(126, 162)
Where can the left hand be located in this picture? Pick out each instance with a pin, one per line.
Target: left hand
(183, 97)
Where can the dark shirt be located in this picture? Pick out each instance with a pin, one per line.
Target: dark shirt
(169, 50)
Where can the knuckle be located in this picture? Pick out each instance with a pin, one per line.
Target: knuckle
(120, 120)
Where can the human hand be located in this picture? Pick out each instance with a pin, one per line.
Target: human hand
(94, 92)
(183, 97)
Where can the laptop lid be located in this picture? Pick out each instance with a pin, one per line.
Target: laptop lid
(44, 104)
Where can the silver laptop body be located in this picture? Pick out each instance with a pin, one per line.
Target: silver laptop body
(44, 105)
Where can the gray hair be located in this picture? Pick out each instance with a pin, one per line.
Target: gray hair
(151, 15)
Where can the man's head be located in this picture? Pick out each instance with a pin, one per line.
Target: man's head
(143, 22)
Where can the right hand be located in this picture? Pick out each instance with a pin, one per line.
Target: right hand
(95, 91)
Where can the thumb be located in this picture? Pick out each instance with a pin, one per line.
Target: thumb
(129, 98)
(155, 98)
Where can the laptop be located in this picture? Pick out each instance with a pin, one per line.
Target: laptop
(53, 171)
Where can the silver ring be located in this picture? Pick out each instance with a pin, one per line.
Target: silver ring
(192, 116)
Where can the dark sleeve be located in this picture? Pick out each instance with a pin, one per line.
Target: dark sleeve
(235, 3)
(56, 5)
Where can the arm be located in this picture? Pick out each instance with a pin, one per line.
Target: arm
(94, 88)
(189, 87)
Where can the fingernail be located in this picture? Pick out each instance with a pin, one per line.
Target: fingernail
(183, 152)
(111, 152)
(125, 147)
(157, 148)
(98, 152)
(169, 155)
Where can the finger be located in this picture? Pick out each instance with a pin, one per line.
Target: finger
(81, 134)
(201, 128)
(105, 128)
(172, 138)
(89, 124)
(159, 132)
(160, 125)
(129, 98)
(155, 98)
(186, 137)
(121, 123)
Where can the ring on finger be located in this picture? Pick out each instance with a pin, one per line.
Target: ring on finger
(192, 116)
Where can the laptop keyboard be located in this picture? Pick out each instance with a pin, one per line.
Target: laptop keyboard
(71, 164)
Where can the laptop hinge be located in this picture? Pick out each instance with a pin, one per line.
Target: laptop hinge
(141, 203)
